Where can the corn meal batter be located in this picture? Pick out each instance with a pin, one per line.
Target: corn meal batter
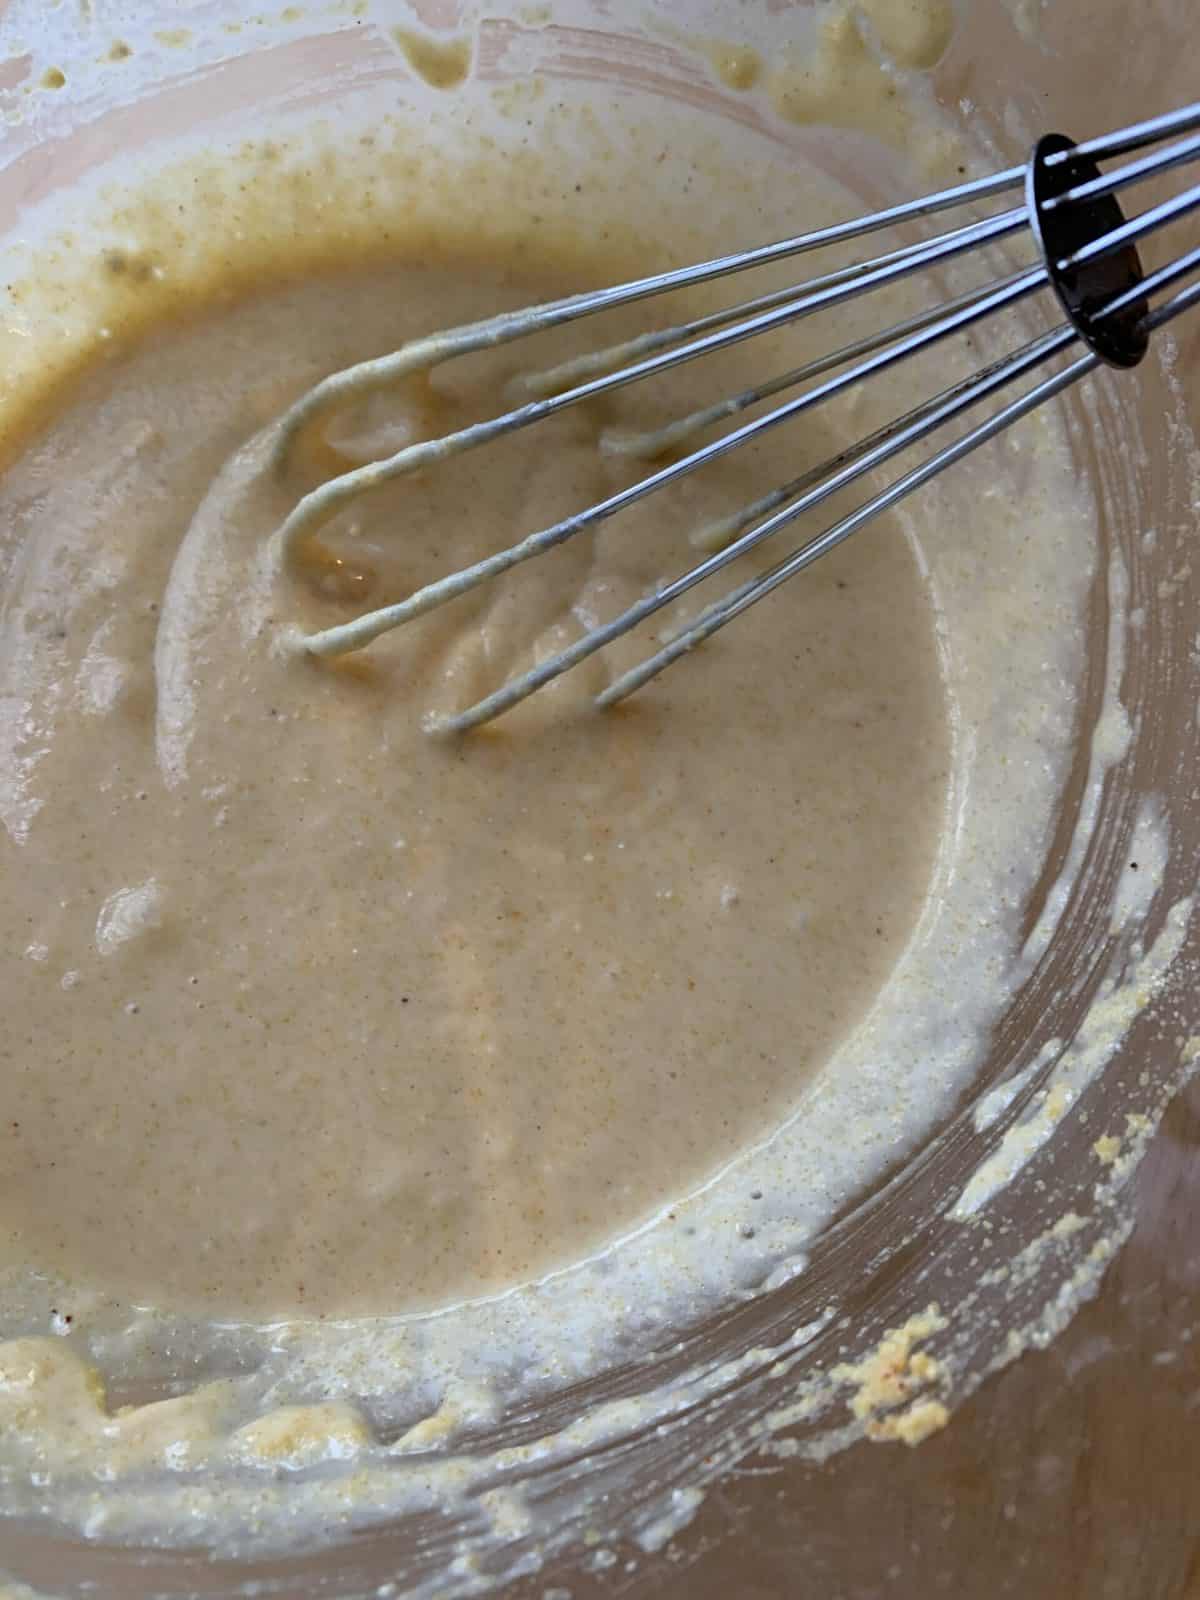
(378, 1111)
(427, 1018)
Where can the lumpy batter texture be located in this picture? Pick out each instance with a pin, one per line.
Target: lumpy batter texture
(305, 1011)
(307, 1015)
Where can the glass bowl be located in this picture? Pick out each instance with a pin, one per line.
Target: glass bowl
(800, 1502)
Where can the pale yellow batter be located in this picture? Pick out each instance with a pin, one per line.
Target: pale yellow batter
(304, 1011)
(578, 1032)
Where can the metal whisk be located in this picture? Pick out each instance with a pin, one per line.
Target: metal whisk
(1086, 253)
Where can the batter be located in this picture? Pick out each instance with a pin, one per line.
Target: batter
(430, 1018)
(361, 1091)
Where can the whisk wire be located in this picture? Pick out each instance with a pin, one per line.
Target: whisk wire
(1152, 166)
(565, 376)
(652, 443)
(362, 630)
(758, 588)
(1123, 142)
(1136, 228)
(493, 332)
(826, 480)
(316, 508)
(755, 589)
(1087, 255)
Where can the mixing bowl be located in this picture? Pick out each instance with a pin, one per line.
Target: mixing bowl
(1050, 1479)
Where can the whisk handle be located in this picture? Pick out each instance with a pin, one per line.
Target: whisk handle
(1086, 289)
